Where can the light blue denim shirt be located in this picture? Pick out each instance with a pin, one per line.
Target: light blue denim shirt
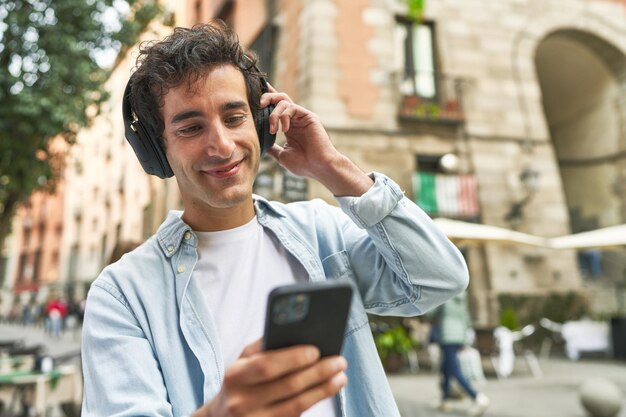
(149, 341)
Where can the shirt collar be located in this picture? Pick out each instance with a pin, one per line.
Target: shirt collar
(173, 231)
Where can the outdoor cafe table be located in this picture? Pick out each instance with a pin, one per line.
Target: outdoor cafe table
(41, 390)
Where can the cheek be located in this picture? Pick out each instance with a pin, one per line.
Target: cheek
(178, 155)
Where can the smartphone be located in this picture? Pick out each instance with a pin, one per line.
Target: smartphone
(313, 313)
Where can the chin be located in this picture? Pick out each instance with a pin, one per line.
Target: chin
(231, 198)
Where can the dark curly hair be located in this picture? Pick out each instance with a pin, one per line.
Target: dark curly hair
(186, 56)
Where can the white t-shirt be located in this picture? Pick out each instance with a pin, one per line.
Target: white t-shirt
(236, 270)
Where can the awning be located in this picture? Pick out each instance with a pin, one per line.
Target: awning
(463, 232)
(600, 238)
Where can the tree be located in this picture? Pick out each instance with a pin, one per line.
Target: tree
(50, 74)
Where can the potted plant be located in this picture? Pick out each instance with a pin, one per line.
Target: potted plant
(393, 345)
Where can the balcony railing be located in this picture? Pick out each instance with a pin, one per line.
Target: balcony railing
(431, 97)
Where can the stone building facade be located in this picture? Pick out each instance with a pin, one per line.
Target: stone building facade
(510, 113)
(527, 94)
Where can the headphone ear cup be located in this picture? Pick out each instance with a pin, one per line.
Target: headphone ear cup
(146, 145)
(266, 139)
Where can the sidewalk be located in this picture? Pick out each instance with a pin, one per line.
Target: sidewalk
(67, 345)
(68, 342)
(556, 394)
(553, 395)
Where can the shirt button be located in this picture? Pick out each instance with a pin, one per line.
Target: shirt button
(181, 268)
(170, 248)
(187, 235)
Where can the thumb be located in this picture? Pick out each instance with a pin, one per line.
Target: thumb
(275, 151)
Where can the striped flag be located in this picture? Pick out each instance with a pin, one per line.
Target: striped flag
(446, 195)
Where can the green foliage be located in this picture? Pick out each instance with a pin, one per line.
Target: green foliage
(428, 110)
(508, 318)
(559, 307)
(416, 8)
(394, 341)
(518, 310)
(50, 76)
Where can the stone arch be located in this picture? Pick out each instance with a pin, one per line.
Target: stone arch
(604, 41)
(589, 145)
(594, 29)
(583, 79)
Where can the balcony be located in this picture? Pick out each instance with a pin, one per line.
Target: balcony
(431, 98)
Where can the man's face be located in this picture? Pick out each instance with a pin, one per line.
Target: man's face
(212, 145)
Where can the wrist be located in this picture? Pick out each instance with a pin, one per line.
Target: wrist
(344, 178)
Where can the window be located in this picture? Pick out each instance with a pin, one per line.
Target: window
(429, 163)
(73, 263)
(4, 261)
(37, 266)
(103, 251)
(42, 232)
(26, 234)
(21, 272)
(417, 41)
(264, 47)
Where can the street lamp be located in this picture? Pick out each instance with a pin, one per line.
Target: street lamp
(529, 178)
(450, 163)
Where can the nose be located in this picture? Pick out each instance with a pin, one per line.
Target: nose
(219, 143)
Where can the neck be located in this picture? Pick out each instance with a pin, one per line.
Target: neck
(211, 219)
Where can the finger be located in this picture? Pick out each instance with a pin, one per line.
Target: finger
(295, 406)
(285, 117)
(268, 366)
(275, 151)
(283, 111)
(270, 87)
(298, 382)
(273, 98)
(252, 348)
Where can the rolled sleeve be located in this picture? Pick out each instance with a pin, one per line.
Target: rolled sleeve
(376, 204)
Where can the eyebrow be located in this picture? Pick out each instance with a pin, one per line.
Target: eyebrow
(231, 105)
(185, 115)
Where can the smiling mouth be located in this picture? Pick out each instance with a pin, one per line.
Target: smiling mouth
(230, 168)
(225, 171)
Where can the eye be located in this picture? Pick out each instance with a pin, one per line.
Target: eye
(235, 120)
(189, 130)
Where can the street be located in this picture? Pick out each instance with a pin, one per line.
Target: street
(556, 394)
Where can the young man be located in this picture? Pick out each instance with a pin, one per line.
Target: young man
(174, 327)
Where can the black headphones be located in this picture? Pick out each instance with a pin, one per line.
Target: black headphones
(149, 149)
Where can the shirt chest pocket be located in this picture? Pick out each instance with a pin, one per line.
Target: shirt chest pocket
(337, 267)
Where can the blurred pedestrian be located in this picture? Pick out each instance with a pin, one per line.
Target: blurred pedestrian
(56, 310)
(72, 318)
(14, 312)
(452, 322)
(27, 317)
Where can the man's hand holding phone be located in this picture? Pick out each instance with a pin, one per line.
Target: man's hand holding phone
(276, 383)
(296, 364)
